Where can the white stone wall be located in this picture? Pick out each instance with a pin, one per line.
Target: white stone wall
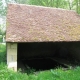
(12, 55)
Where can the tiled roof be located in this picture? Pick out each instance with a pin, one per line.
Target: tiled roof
(29, 23)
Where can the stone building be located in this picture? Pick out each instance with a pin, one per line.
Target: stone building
(29, 25)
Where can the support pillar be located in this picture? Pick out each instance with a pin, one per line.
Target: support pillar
(12, 56)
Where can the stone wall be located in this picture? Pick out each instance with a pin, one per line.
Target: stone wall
(12, 55)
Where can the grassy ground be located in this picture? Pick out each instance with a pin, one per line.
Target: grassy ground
(52, 74)
(56, 74)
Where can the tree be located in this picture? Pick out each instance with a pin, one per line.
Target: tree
(77, 2)
(2, 9)
(2, 52)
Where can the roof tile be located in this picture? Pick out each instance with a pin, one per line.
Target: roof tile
(29, 23)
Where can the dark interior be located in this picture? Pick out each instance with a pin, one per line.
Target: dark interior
(47, 55)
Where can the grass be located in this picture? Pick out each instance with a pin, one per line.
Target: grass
(52, 74)
(6, 74)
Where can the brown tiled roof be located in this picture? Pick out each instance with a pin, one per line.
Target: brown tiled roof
(28, 23)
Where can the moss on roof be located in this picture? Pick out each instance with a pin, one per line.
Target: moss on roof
(29, 23)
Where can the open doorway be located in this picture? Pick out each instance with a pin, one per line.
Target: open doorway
(47, 55)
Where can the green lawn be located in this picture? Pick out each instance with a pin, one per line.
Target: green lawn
(52, 74)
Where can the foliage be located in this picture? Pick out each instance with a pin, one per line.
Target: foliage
(2, 52)
(66, 4)
(2, 9)
(6, 74)
(30, 71)
(76, 3)
(53, 74)
(2, 32)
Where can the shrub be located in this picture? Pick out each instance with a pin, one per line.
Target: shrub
(2, 52)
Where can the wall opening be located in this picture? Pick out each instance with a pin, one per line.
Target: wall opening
(47, 55)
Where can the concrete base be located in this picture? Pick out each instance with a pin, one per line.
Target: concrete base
(13, 66)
